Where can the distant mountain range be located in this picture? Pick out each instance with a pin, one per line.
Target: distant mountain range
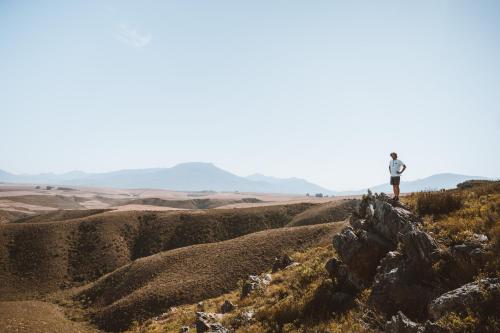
(194, 176)
(198, 176)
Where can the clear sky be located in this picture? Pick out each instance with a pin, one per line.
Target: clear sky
(322, 90)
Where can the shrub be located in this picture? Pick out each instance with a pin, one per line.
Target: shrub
(437, 203)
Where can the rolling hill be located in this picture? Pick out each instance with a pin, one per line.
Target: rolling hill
(115, 267)
(41, 257)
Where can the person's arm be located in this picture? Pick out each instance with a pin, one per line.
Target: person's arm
(404, 168)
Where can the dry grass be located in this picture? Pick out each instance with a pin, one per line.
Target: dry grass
(479, 213)
(53, 201)
(295, 301)
(470, 210)
(37, 317)
(437, 203)
(328, 212)
(150, 285)
(37, 258)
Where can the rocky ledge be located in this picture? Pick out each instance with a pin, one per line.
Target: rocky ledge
(414, 280)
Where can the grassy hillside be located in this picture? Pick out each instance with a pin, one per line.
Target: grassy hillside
(460, 215)
(299, 298)
(149, 285)
(295, 301)
(37, 317)
(189, 204)
(327, 212)
(7, 216)
(36, 258)
(60, 215)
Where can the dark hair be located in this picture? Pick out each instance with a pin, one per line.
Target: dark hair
(395, 154)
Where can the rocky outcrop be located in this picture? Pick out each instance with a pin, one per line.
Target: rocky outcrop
(386, 249)
(255, 282)
(361, 251)
(484, 294)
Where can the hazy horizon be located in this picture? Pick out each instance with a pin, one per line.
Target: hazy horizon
(322, 92)
(253, 174)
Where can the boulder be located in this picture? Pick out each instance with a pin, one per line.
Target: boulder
(207, 322)
(217, 328)
(466, 261)
(399, 323)
(255, 282)
(483, 294)
(227, 306)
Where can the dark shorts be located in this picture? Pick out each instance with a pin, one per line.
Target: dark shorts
(395, 180)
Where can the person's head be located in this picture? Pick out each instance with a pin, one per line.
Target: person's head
(394, 155)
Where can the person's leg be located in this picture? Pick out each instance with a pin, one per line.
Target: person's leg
(396, 191)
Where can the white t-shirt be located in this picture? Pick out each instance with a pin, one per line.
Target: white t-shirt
(395, 166)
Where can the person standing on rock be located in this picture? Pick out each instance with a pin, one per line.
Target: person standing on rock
(396, 168)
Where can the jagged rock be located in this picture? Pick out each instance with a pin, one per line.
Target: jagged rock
(184, 329)
(405, 280)
(227, 306)
(386, 249)
(419, 246)
(217, 328)
(399, 323)
(207, 322)
(203, 321)
(255, 282)
(390, 221)
(360, 251)
(282, 263)
(480, 294)
(466, 261)
(340, 273)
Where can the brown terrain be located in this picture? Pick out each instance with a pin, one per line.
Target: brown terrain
(83, 260)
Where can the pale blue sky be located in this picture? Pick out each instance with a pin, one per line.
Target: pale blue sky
(323, 90)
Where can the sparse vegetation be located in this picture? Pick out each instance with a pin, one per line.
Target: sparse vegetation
(456, 215)
(298, 298)
(295, 301)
